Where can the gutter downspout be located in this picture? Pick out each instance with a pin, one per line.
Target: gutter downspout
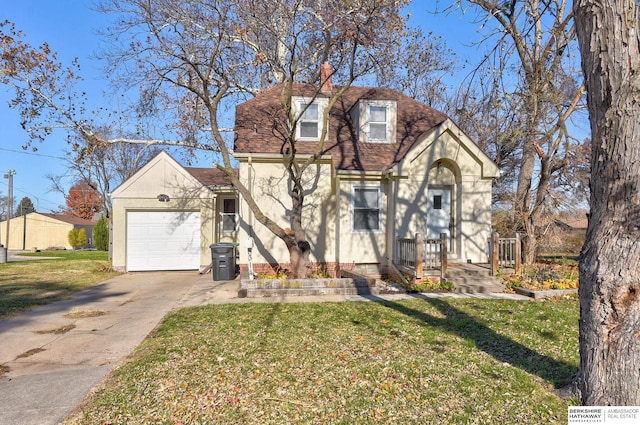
(250, 187)
(337, 229)
(391, 218)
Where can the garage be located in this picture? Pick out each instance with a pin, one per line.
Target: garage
(163, 240)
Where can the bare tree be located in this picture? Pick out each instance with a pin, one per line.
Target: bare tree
(492, 119)
(102, 165)
(191, 61)
(529, 60)
(4, 202)
(609, 37)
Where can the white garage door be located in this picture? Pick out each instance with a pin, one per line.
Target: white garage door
(163, 240)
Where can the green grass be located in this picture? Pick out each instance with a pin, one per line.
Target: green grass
(566, 259)
(441, 361)
(70, 255)
(28, 284)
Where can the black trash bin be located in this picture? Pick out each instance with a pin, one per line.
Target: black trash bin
(223, 261)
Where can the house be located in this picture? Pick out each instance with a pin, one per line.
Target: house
(391, 167)
(43, 230)
(166, 216)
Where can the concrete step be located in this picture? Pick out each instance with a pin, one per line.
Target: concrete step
(472, 279)
(467, 270)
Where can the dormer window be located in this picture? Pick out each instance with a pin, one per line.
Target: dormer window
(376, 120)
(377, 123)
(310, 114)
(310, 121)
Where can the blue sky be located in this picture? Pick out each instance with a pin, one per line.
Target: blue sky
(70, 27)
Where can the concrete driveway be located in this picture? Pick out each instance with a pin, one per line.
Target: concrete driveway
(53, 355)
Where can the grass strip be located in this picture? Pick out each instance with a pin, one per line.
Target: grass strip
(28, 284)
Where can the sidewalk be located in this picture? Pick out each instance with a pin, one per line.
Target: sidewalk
(55, 354)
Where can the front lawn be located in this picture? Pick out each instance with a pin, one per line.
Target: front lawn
(434, 360)
(28, 284)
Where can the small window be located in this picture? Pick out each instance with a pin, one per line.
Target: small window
(366, 208)
(377, 123)
(376, 120)
(228, 216)
(310, 121)
(437, 202)
(309, 113)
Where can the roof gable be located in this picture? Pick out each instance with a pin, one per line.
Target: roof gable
(447, 141)
(161, 175)
(261, 128)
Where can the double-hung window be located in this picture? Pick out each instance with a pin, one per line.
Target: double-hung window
(376, 120)
(378, 123)
(309, 113)
(309, 121)
(228, 216)
(366, 208)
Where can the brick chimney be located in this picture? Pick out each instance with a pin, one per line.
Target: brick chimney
(326, 79)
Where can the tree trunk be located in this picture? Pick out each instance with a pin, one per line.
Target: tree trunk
(529, 242)
(299, 254)
(608, 34)
(525, 182)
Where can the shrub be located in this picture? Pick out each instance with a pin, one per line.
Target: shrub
(101, 235)
(78, 238)
(428, 285)
(541, 276)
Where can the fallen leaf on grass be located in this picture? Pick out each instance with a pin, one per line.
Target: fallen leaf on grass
(78, 314)
(4, 369)
(30, 353)
(58, 331)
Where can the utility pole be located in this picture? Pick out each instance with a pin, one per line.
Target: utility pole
(9, 176)
(24, 227)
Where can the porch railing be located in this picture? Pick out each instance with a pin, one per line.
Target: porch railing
(415, 255)
(505, 253)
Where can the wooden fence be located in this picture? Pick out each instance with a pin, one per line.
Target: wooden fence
(414, 256)
(505, 253)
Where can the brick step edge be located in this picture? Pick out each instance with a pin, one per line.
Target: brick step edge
(299, 292)
(304, 283)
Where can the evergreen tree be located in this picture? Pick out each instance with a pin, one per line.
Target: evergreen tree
(24, 207)
(101, 235)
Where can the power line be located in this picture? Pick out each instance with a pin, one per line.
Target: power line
(32, 153)
(37, 197)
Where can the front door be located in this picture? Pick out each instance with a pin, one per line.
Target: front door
(439, 213)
